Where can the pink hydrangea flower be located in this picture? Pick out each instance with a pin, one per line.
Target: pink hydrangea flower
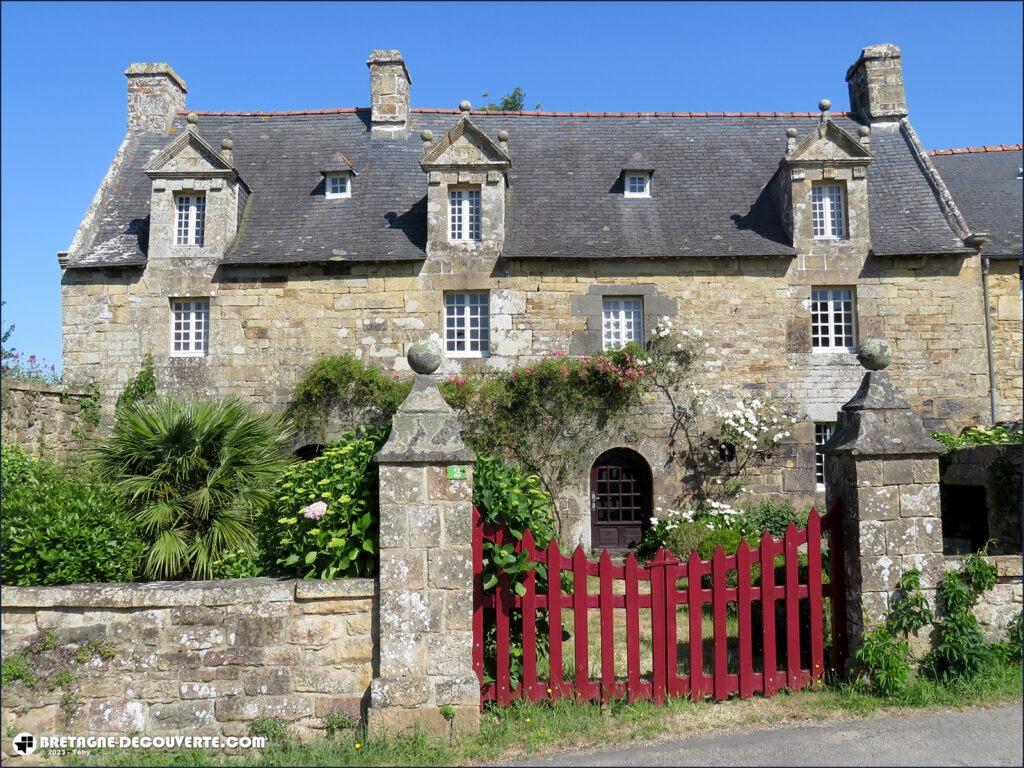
(315, 511)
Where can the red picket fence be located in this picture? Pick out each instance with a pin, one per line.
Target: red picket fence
(798, 639)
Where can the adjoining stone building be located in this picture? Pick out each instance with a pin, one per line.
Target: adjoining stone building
(238, 247)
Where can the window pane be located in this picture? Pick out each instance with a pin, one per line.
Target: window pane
(835, 195)
(200, 219)
(832, 318)
(184, 204)
(455, 213)
(818, 211)
(822, 434)
(473, 198)
(467, 322)
(621, 321)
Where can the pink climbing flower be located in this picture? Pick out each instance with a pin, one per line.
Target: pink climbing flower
(315, 511)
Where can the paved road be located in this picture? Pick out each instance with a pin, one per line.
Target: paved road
(968, 737)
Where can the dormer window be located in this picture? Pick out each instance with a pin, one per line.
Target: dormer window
(338, 185)
(191, 219)
(463, 214)
(828, 211)
(637, 184)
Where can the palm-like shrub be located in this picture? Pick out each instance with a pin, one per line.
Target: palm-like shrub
(194, 475)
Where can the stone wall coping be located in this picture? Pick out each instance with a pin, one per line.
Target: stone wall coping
(984, 454)
(21, 385)
(1007, 566)
(173, 594)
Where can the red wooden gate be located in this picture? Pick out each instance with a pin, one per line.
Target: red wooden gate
(787, 651)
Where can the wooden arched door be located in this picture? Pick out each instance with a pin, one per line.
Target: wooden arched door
(620, 499)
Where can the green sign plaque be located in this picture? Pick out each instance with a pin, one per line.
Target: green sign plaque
(457, 472)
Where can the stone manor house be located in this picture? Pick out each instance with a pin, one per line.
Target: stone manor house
(238, 247)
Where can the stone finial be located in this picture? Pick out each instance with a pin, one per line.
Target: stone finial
(465, 106)
(791, 142)
(193, 121)
(792, 133)
(502, 135)
(424, 357)
(874, 354)
(864, 134)
(424, 428)
(825, 105)
(427, 136)
(226, 149)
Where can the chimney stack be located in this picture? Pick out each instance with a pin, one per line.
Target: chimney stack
(876, 84)
(389, 93)
(156, 93)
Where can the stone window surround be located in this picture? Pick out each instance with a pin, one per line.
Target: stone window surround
(192, 225)
(206, 329)
(591, 306)
(339, 175)
(827, 211)
(173, 187)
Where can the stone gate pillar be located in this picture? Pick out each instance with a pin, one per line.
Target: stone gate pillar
(882, 467)
(425, 580)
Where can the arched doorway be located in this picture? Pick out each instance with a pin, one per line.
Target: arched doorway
(620, 499)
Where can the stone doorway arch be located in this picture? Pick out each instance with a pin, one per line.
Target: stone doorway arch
(621, 499)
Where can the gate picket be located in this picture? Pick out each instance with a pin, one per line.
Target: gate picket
(663, 597)
(769, 665)
(555, 683)
(632, 602)
(528, 686)
(696, 629)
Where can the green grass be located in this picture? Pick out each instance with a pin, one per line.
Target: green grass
(530, 729)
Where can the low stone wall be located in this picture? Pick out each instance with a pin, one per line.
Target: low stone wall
(46, 418)
(1003, 603)
(204, 658)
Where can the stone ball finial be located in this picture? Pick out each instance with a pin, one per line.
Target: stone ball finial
(193, 118)
(874, 354)
(863, 131)
(502, 135)
(424, 357)
(465, 106)
(427, 135)
(791, 133)
(825, 105)
(227, 144)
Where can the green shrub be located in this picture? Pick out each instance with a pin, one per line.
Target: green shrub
(194, 475)
(15, 668)
(274, 730)
(508, 496)
(361, 394)
(679, 538)
(140, 388)
(978, 436)
(239, 564)
(324, 521)
(771, 515)
(883, 663)
(960, 652)
(60, 526)
(727, 538)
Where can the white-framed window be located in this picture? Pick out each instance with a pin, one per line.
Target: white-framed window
(463, 213)
(622, 321)
(822, 434)
(828, 211)
(833, 319)
(467, 324)
(337, 185)
(191, 221)
(190, 327)
(637, 184)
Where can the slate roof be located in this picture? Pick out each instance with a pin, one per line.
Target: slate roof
(708, 190)
(986, 185)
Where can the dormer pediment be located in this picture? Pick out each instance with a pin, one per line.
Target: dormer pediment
(828, 143)
(190, 156)
(465, 147)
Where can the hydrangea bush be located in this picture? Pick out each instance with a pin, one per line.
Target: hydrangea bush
(324, 521)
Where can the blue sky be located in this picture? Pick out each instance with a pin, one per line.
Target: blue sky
(63, 88)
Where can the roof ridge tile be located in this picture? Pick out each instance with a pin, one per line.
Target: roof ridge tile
(977, 150)
(530, 113)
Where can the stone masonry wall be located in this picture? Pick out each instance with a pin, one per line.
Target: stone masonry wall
(1007, 337)
(46, 419)
(203, 657)
(268, 324)
(996, 608)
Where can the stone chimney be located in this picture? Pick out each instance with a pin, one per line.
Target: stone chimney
(389, 93)
(876, 84)
(156, 93)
